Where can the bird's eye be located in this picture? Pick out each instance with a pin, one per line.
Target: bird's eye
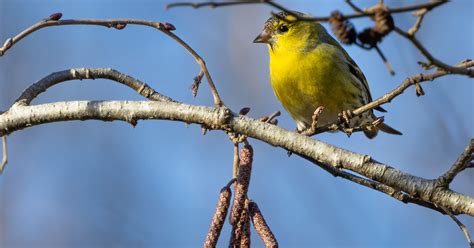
(282, 29)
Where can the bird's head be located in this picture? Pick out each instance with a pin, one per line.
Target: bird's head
(282, 31)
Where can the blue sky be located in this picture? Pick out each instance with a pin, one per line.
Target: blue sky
(96, 184)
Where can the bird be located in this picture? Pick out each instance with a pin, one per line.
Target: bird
(310, 69)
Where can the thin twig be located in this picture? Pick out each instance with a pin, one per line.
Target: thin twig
(421, 14)
(385, 61)
(367, 13)
(355, 7)
(432, 60)
(409, 82)
(273, 116)
(461, 226)
(4, 154)
(461, 163)
(383, 188)
(236, 160)
(120, 24)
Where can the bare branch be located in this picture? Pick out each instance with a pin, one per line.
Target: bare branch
(461, 163)
(366, 13)
(165, 28)
(385, 60)
(467, 65)
(421, 14)
(84, 73)
(432, 60)
(20, 117)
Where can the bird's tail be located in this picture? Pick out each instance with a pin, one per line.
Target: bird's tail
(382, 127)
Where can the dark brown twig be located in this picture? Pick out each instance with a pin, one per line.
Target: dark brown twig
(409, 82)
(461, 163)
(219, 216)
(385, 60)
(367, 13)
(166, 28)
(261, 226)
(432, 60)
(398, 195)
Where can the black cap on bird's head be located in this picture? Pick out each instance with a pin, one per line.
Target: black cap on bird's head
(278, 23)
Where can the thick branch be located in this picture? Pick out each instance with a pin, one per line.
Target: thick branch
(20, 117)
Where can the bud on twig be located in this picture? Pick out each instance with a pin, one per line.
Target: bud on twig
(120, 26)
(244, 111)
(54, 17)
(169, 26)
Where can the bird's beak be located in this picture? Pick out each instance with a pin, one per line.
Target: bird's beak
(263, 37)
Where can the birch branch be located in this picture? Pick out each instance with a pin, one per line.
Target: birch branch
(20, 117)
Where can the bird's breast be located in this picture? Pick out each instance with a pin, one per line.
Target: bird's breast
(304, 81)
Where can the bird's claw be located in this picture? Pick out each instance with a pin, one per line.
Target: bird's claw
(311, 130)
(344, 118)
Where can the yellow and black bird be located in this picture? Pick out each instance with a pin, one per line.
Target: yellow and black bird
(309, 69)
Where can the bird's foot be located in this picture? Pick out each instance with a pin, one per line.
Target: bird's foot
(344, 118)
(344, 122)
(311, 130)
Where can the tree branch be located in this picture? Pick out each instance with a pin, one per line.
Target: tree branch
(461, 163)
(366, 13)
(55, 78)
(165, 28)
(432, 60)
(466, 65)
(36, 89)
(20, 117)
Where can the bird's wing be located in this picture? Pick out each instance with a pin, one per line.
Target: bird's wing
(355, 70)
